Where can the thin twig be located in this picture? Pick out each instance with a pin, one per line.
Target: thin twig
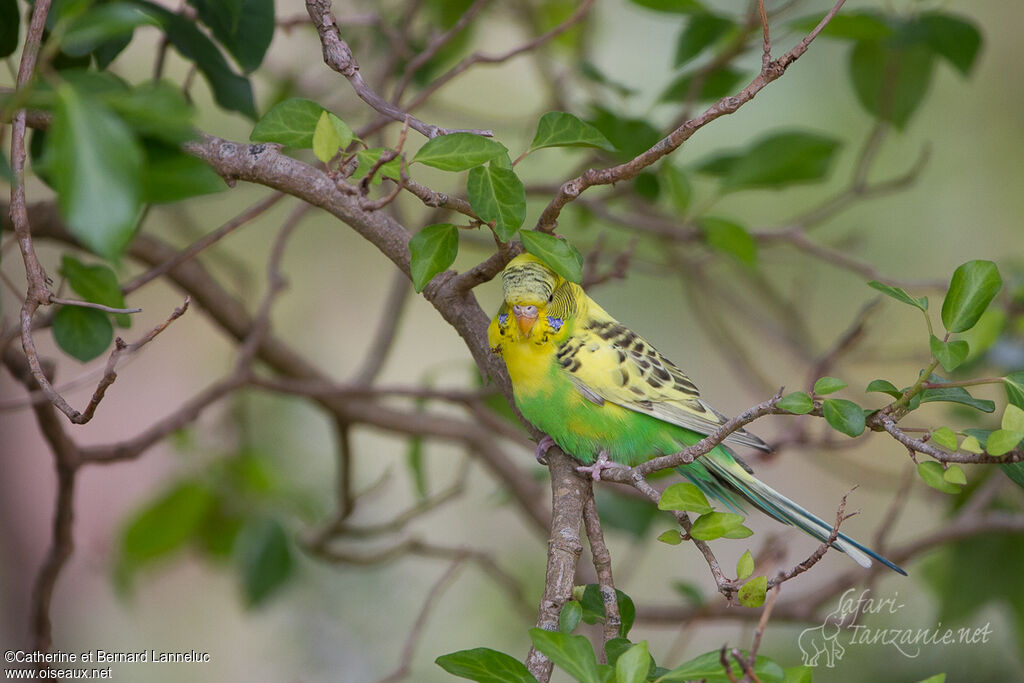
(572, 189)
(421, 620)
(603, 567)
(338, 55)
(387, 330)
(192, 250)
(433, 47)
(89, 304)
(481, 58)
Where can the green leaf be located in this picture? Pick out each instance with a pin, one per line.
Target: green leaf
(797, 402)
(630, 136)
(485, 665)
(1002, 441)
(891, 78)
(900, 295)
(799, 674)
(594, 610)
(326, 141)
(560, 129)
(367, 158)
(844, 416)
(100, 24)
(745, 565)
(432, 250)
(632, 665)
(264, 559)
(714, 85)
(230, 90)
(153, 110)
(782, 159)
(708, 669)
(170, 175)
(972, 445)
(458, 151)
(244, 27)
(972, 288)
(615, 648)
(690, 591)
(680, 191)
(730, 238)
(98, 191)
(684, 496)
(954, 474)
(945, 437)
(985, 333)
(994, 559)
(10, 25)
(954, 395)
(163, 526)
(82, 333)
(595, 75)
(712, 525)
(1013, 418)
(6, 174)
(671, 537)
(864, 25)
(573, 654)
(570, 616)
(625, 513)
(949, 354)
(937, 678)
(932, 474)
(96, 283)
(702, 31)
(342, 130)
(290, 123)
(497, 195)
(646, 186)
(558, 253)
(752, 593)
(883, 386)
(1014, 386)
(828, 385)
(956, 39)
(414, 461)
(738, 532)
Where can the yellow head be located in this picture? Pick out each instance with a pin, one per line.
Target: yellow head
(529, 288)
(542, 303)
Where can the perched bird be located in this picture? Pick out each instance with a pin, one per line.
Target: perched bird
(609, 399)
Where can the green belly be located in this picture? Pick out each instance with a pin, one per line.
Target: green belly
(583, 428)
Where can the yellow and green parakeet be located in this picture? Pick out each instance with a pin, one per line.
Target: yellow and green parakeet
(608, 398)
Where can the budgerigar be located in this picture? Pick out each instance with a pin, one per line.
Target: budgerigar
(605, 395)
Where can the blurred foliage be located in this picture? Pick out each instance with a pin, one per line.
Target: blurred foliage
(114, 148)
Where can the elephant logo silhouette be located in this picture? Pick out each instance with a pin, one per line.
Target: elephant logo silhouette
(822, 640)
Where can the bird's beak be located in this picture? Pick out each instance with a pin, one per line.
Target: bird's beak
(526, 323)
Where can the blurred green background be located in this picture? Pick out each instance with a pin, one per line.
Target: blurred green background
(345, 623)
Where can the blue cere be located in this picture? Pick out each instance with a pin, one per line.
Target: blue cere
(502, 319)
(556, 323)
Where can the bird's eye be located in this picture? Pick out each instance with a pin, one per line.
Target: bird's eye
(551, 297)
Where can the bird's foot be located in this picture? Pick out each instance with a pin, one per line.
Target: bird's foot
(542, 449)
(601, 464)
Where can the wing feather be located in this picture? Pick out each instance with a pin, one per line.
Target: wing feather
(609, 362)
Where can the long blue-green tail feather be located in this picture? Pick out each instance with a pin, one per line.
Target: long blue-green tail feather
(719, 476)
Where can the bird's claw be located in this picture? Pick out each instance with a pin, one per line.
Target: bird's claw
(601, 464)
(542, 449)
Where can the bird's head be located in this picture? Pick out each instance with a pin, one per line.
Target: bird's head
(534, 292)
